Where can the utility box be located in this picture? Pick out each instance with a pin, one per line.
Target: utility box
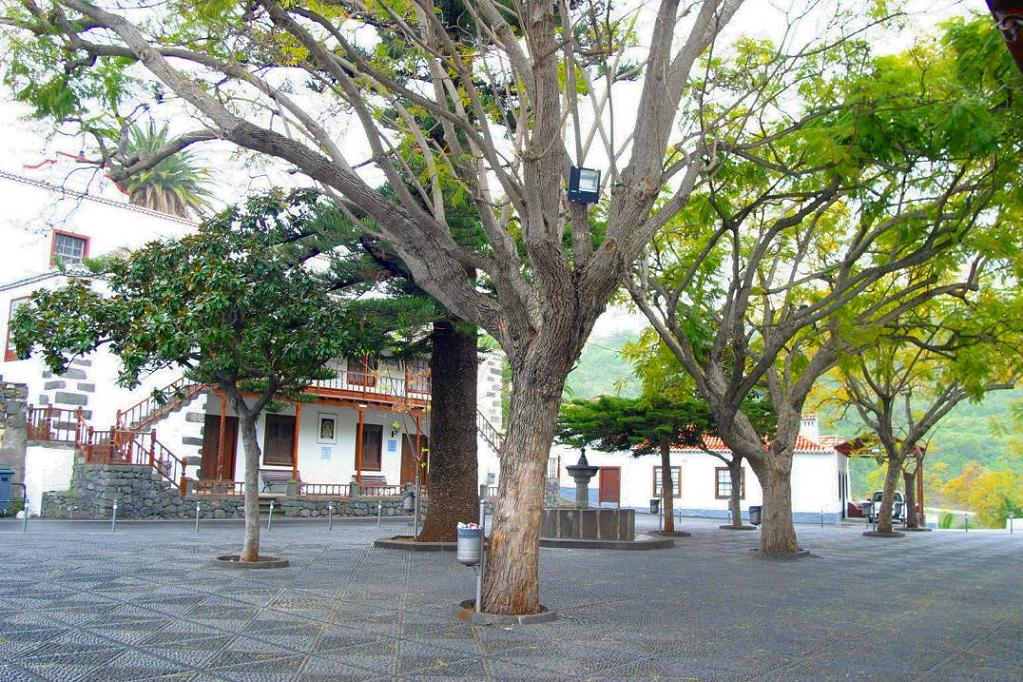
(6, 479)
(655, 505)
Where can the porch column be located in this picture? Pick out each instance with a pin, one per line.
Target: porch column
(358, 448)
(222, 436)
(294, 442)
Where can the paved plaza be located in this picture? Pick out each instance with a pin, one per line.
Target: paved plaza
(80, 603)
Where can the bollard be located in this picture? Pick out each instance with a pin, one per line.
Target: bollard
(483, 555)
(113, 519)
(197, 518)
(1012, 518)
(966, 523)
(380, 513)
(822, 517)
(270, 518)
(24, 506)
(415, 521)
(330, 516)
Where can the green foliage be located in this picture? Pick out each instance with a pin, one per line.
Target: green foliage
(603, 369)
(176, 185)
(642, 425)
(946, 520)
(993, 495)
(226, 304)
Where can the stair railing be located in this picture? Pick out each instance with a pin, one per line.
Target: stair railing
(157, 404)
(489, 432)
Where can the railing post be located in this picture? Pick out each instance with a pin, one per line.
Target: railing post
(119, 419)
(152, 448)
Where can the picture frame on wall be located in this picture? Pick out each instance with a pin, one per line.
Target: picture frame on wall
(326, 429)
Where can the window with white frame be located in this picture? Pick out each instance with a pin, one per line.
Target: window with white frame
(70, 249)
(723, 483)
(676, 481)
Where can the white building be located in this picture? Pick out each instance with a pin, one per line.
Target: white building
(820, 478)
(364, 425)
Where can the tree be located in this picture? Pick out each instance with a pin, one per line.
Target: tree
(644, 426)
(502, 107)
(358, 258)
(225, 304)
(937, 356)
(663, 376)
(1008, 17)
(892, 188)
(175, 185)
(992, 494)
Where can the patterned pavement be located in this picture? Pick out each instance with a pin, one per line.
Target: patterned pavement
(80, 603)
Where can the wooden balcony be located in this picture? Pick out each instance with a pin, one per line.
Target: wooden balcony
(410, 389)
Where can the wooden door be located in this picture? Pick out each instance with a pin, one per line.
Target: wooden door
(372, 446)
(610, 485)
(408, 458)
(279, 440)
(211, 458)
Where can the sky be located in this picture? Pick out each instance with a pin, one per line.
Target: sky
(26, 142)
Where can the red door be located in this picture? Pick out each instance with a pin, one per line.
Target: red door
(610, 485)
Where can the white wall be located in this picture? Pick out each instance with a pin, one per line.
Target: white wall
(46, 469)
(814, 480)
(337, 464)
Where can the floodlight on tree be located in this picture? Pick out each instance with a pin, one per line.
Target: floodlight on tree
(583, 185)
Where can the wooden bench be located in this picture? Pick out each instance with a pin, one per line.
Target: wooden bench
(272, 477)
(370, 484)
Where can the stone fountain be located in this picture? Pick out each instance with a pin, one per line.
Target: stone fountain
(582, 526)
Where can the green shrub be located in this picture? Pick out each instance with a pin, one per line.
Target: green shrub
(946, 520)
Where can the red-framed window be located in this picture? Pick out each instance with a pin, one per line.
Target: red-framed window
(9, 354)
(71, 248)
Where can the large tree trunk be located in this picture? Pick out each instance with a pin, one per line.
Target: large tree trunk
(667, 488)
(778, 536)
(735, 499)
(891, 481)
(250, 447)
(511, 584)
(453, 466)
(909, 478)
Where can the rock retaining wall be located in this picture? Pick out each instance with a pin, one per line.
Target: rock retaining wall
(12, 429)
(141, 494)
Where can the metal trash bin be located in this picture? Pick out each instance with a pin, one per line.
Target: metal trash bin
(408, 501)
(6, 479)
(469, 546)
(655, 505)
(755, 512)
(868, 511)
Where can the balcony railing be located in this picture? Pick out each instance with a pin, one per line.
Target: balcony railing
(376, 384)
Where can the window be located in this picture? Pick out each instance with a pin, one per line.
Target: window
(372, 440)
(362, 371)
(723, 483)
(676, 481)
(71, 249)
(279, 440)
(9, 354)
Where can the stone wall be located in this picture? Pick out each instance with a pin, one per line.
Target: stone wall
(139, 494)
(13, 398)
(344, 506)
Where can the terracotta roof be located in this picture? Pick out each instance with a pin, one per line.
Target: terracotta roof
(803, 444)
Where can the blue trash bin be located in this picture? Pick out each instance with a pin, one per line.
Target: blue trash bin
(6, 479)
(755, 512)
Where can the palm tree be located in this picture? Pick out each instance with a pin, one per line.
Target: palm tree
(176, 185)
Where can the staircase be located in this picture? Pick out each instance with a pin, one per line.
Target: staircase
(159, 404)
(489, 433)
